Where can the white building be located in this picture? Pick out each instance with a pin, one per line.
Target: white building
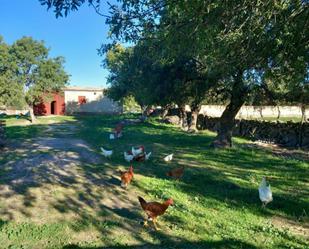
(89, 100)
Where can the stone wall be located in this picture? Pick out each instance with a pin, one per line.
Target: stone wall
(253, 112)
(286, 134)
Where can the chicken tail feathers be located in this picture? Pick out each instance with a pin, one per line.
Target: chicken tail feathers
(142, 202)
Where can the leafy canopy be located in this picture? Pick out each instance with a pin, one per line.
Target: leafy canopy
(27, 74)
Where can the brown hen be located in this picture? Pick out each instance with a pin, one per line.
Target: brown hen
(154, 209)
(176, 173)
(126, 177)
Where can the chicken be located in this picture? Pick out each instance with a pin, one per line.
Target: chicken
(140, 158)
(147, 156)
(176, 173)
(138, 151)
(118, 130)
(265, 193)
(106, 153)
(168, 158)
(154, 209)
(111, 136)
(126, 177)
(128, 156)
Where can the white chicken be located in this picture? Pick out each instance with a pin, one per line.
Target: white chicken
(128, 157)
(265, 193)
(106, 153)
(168, 158)
(111, 136)
(138, 151)
(147, 156)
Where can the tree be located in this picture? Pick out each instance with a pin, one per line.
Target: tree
(141, 72)
(242, 45)
(28, 73)
(10, 90)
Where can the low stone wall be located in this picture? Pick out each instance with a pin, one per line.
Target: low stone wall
(253, 112)
(286, 134)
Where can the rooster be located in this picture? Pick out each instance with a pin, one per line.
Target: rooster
(176, 173)
(168, 158)
(265, 193)
(137, 151)
(106, 153)
(126, 177)
(154, 209)
(128, 156)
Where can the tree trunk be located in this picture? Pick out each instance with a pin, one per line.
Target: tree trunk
(194, 113)
(31, 112)
(183, 117)
(2, 133)
(261, 112)
(279, 113)
(165, 111)
(226, 124)
(301, 125)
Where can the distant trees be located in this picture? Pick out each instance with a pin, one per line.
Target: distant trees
(27, 74)
(184, 50)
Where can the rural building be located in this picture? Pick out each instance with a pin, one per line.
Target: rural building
(78, 100)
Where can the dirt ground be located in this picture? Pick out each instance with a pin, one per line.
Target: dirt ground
(46, 180)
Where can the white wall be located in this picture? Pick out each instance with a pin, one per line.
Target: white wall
(255, 111)
(13, 112)
(95, 102)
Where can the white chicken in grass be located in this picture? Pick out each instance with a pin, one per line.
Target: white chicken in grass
(106, 153)
(168, 158)
(265, 193)
(111, 136)
(138, 151)
(128, 157)
(147, 156)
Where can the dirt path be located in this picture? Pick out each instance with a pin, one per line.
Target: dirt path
(58, 177)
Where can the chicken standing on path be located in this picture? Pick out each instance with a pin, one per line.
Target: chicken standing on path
(265, 193)
(154, 209)
(126, 177)
(168, 158)
(106, 153)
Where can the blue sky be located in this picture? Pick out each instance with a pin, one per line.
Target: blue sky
(76, 37)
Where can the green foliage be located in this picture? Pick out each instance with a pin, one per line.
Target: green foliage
(130, 105)
(27, 74)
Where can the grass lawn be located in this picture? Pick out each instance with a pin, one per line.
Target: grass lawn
(216, 202)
